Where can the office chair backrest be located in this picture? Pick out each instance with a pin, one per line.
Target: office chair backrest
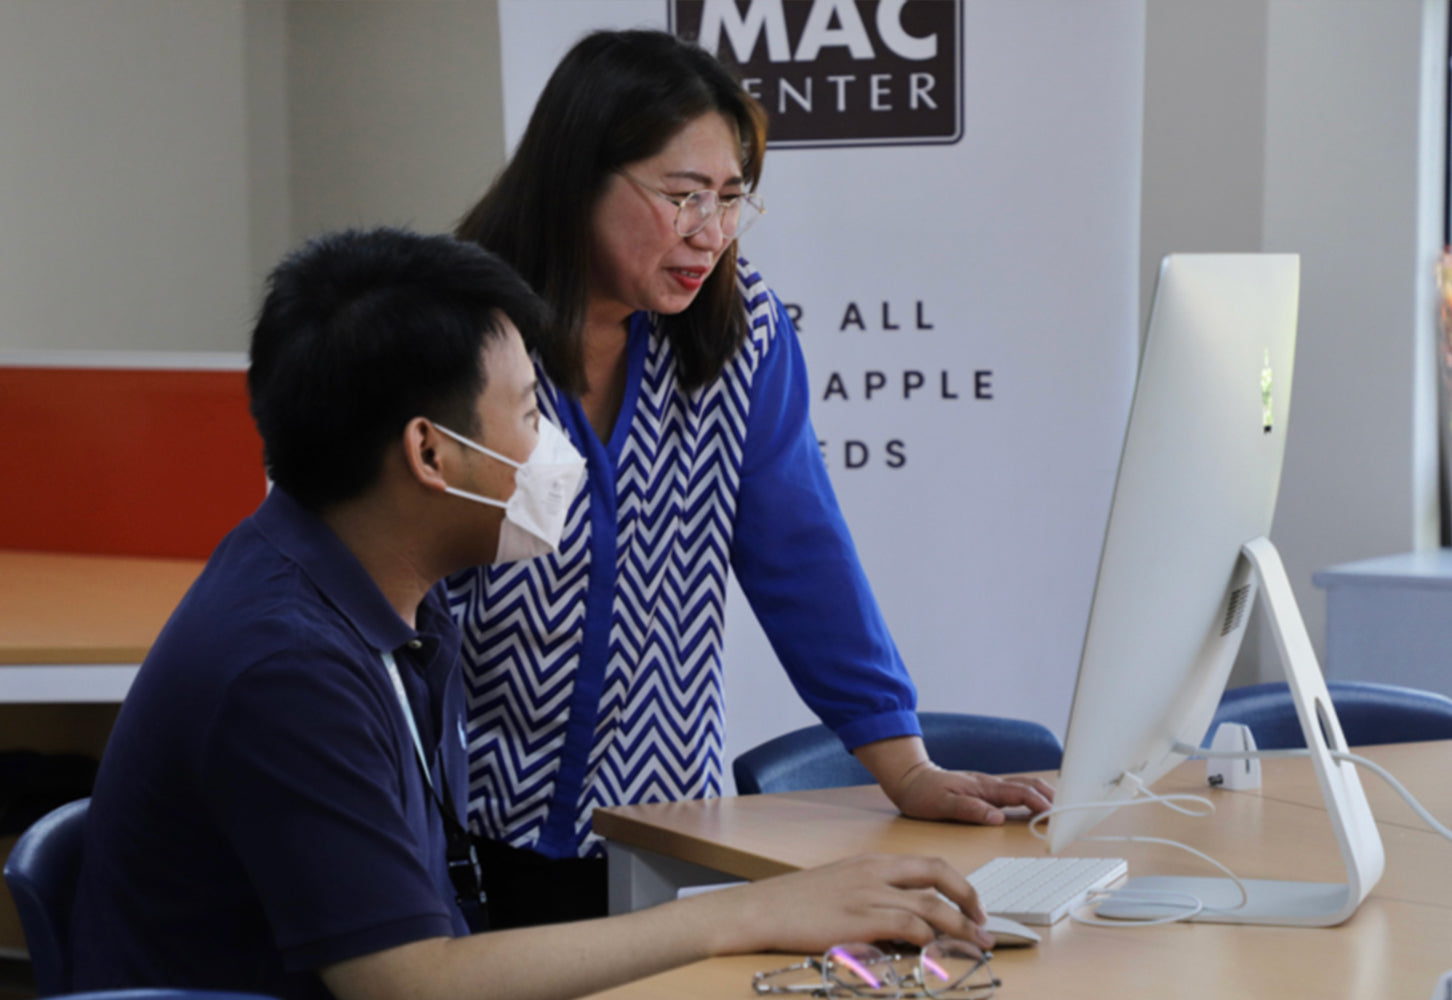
(164, 993)
(1369, 713)
(815, 758)
(42, 871)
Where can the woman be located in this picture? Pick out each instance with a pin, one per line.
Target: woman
(594, 674)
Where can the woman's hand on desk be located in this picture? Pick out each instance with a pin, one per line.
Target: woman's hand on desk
(922, 790)
(929, 792)
(867, 898)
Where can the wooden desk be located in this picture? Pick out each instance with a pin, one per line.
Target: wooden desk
(1397, 944)
(1422, 767)
(75, 628)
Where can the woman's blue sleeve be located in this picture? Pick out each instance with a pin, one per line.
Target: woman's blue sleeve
(794, 557)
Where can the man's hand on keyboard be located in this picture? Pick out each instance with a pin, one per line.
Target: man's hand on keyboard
(926, 791)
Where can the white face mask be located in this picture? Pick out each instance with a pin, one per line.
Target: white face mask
(534, 517)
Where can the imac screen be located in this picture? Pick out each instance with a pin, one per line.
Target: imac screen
(1197, 480)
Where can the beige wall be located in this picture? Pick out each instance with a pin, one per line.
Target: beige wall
(158, 156)
(1204, 130)
(1355, 144)
(123, 174)
(395, 111)
(1317, 126)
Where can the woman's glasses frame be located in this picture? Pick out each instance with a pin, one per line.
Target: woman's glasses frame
(696, 209)
(862, 970)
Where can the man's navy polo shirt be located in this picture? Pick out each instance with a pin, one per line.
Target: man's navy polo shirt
(260, 811)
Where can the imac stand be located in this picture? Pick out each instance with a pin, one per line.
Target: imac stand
(1304, 904)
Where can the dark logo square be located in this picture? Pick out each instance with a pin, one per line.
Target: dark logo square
(840, 72)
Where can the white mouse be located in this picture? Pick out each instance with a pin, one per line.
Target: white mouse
(1010, 933)
(1006, 933)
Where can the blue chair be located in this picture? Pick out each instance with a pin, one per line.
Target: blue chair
(1369, 713)
(163, 993)
(815, 758)
(42, 872)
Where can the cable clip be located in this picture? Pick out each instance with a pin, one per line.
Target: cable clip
(1235, 773)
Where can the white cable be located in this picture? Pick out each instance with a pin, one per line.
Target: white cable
(1422, 812)
(1397, 787)
(1143, 796)
(1185, 750)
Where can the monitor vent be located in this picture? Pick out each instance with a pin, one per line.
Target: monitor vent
(1235, 610)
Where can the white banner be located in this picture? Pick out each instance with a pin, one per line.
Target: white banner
(966, 294)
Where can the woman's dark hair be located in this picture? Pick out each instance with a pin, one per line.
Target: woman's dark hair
(360, 332)
(617, 97)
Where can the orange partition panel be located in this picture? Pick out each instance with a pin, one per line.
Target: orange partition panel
(125, 461)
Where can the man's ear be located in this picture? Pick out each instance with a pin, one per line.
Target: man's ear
(422, 450)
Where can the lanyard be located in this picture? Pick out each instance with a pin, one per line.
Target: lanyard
(398, 688)
(463, 860)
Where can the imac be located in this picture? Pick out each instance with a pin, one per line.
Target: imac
(1185, 554)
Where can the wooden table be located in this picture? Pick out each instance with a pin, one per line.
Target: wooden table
(75, 628)
(1397, 945)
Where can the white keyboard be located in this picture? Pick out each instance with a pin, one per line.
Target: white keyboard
(1042, 891)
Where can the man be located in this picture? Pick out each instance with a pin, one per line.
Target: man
(264, 819)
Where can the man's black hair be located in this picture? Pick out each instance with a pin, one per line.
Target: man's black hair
(360, 332)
